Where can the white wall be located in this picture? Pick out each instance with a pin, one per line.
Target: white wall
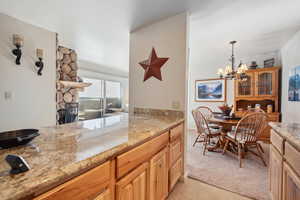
(168, 37)
(290, 59)
(33, 97)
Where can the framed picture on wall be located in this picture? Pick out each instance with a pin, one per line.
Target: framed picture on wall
(210, 90)
(294, 84)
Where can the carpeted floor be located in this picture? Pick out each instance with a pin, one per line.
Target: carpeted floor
(223, 171)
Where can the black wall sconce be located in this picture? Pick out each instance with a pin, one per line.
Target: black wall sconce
(39, 64)
(18, 42)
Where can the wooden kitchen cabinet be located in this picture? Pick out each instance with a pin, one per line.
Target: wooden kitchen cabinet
(141, 173)
(176, 132)
(292, 156)
(133, 158)
(284, 172)
(106, 195)
(176, 151)
(134, 185)
(159, 176)
(175, 173)
(86, 186)
(291, 184)
(176, 156)
(275, 173)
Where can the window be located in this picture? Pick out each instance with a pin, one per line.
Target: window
(113, 89)
(99, 98)
(91, 100)
(93, 91)
(113, 95)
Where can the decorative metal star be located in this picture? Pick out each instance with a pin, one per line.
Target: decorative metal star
(153, 65)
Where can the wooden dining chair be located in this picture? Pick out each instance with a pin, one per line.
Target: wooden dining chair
(203, 129)
(246, 133)
(256, 110)
(208, 114)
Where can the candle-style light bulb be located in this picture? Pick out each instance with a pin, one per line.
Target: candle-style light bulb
(17, 40)
(39, 53)
(244, 67)
(228, 70)
(220, 71)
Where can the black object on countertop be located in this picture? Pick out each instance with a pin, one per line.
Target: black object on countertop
(17, 163)
(17, 137)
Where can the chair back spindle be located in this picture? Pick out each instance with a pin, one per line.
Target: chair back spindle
(201, 123)
(206, 112)
(250, 127)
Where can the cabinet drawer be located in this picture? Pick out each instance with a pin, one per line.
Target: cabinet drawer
(106, 195)
(292, 156)
(176, 132)
(86, 186)
(131, 159)
(175, 150)
(277, 141)
(175, 173)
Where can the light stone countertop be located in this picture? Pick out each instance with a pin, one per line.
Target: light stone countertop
(289, 131)
(62, 152)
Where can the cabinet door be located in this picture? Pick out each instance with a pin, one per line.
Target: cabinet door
(134, 185)
(104, 195)
(176, 150)
(159, 176)
(291, 184)
(175, 173)
(275, 174)
(245, 88)
(265, 83)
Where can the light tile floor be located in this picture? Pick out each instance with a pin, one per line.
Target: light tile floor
(195, 190)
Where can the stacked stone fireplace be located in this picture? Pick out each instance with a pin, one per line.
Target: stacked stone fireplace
(66, 70)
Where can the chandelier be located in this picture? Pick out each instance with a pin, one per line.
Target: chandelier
(230, 72)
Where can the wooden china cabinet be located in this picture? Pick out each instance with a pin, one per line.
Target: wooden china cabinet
(261, 87)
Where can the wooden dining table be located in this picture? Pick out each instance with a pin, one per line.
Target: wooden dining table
(226, 125)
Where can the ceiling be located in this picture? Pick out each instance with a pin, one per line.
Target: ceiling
(258, 26)
(99, 29)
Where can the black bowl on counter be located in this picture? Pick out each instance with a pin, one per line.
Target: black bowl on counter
(15, 138)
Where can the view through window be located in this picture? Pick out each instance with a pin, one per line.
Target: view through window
(113, 95)
(100, 98)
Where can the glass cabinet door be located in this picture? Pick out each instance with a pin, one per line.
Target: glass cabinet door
(244, 88)
(265, 83)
